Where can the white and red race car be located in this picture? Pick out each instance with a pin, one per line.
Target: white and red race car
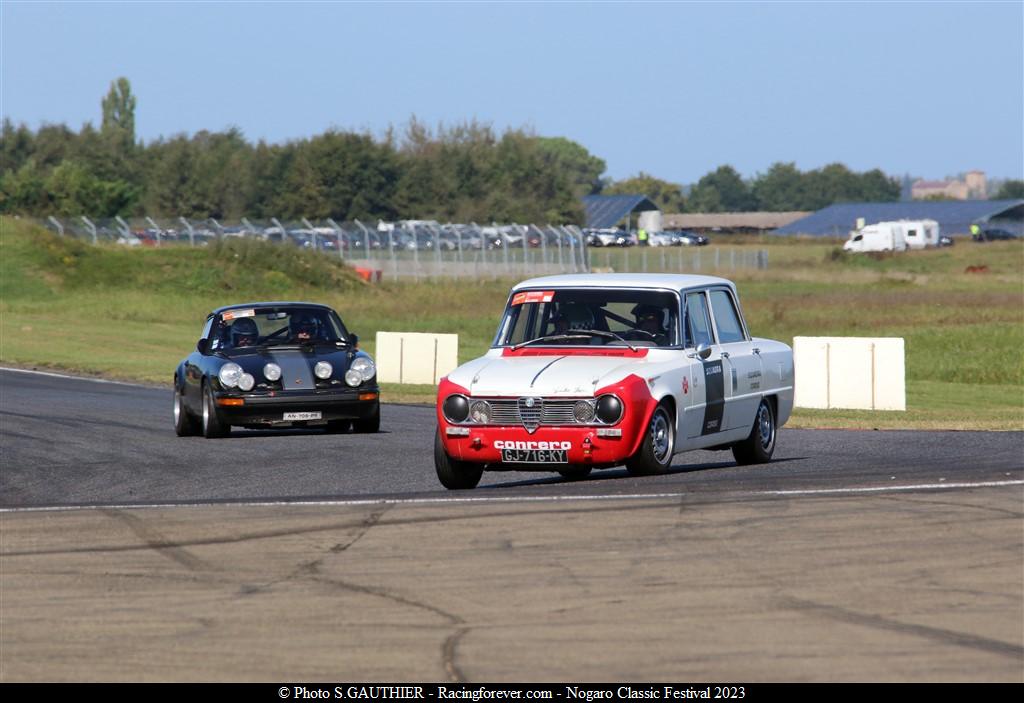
(590, 371)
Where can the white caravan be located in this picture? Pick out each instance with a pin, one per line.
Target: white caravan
(884, 236)
(921, 233)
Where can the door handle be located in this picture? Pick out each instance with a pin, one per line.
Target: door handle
(725, 355)
(756, 351)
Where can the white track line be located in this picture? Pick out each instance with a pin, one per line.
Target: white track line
(74, 378)
(504, 499)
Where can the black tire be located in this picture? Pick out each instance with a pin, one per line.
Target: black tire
(760, 445)
(368, 424)
(455, 475)
(576, 473)
(184, 424)
(655, 453)
(338, 426)
(213, 424)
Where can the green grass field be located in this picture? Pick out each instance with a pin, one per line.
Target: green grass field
(133, 314)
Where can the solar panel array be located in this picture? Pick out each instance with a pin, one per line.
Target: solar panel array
(606, 210)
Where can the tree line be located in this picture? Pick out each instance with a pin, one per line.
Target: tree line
(461, 173)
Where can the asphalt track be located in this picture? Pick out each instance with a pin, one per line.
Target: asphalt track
(296, 555)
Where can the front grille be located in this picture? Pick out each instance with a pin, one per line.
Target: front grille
(544, 412)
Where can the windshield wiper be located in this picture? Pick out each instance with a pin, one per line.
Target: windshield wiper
(550, 338)
(577, 334)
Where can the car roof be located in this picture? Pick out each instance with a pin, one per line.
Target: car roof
(271, 304)
(676, 281)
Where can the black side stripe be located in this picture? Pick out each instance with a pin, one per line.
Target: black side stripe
(714, 381)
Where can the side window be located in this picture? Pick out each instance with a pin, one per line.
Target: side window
(698, 326)
(726, 319)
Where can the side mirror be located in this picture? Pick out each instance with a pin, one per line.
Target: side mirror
(201, 345)
(703, 351)
(355, 340)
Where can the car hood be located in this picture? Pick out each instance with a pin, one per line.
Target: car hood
(548, 375)
(296, 364)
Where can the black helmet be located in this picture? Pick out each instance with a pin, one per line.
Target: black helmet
(643, 312)
(244, 332)
(302, 322)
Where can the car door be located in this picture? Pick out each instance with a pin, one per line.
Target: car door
(194, 372)
(741, 367)
(704, 386)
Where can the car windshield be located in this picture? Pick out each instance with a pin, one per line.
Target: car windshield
(275, 326)
(590, 317)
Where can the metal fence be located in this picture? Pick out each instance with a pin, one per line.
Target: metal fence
(419, 249)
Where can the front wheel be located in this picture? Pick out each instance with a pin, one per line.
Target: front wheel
(213, 425)
(454, 475)
(655, 453)
(760, 445)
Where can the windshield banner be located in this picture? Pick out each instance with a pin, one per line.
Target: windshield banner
(533, 296)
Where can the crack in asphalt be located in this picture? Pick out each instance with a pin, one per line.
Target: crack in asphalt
(155, 541)
(934, 634)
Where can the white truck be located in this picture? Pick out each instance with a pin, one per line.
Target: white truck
(894, 236)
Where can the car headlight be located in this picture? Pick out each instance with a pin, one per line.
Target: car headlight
(272, 371)
(353, 378)
(583, 411)
(480, 412)
(323, 370)
(229, 375)
(246, 382)
(456, 408)
(609, 409)
(364, 366)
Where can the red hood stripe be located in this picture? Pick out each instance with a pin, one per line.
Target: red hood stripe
(576, 351)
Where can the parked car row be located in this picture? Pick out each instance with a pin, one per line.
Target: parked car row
(615, 237)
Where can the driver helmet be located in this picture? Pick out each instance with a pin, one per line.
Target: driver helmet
(648, 313)
(577, 315)
(303, 322)
(244, 332)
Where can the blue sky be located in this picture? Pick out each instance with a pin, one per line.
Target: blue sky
(673, 89)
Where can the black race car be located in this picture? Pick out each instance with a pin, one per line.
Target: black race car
(273, 365)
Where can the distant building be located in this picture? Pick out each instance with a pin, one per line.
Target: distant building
(973, 187)
(954, 216)
(733, 222)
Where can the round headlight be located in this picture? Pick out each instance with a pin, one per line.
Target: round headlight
(456, 408)
(229, 375)
(323, 370)
(583, 411)
(609, 409)
(272, 371)
(353, 378)
(364, 366)
(480, 412)
(246, 381)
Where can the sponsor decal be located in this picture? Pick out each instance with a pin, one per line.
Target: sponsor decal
(235, 314)
(715, 394)
(686, 385)
(533, 296)
(518, 444)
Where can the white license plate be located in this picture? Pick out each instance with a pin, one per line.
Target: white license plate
(534, 456)
(302, 416)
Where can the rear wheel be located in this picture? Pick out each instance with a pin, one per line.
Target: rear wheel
(655, 453)
(213, 424)
(369, 424)
(454, 474)
(184, 424)
(760, 445)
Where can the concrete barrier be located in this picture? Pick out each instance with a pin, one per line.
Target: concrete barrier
(415, 357)
(865, 373)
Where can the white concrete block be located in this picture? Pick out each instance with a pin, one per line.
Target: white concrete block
(850, 372)
(415, 357)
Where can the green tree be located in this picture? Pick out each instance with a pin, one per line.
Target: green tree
(579, 166)
(667, 196)
(1010, 190)
(722, 190)
(781, 189)
(119, 114)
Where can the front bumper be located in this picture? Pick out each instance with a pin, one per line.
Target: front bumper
(269, 408)
(586, 446)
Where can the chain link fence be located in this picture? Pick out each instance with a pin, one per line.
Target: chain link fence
(420, 249)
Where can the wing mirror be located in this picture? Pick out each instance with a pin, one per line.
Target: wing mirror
(202, 345)
(355, 340)
(703, 351)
